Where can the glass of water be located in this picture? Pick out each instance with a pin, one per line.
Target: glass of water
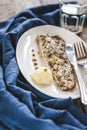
(72, 16)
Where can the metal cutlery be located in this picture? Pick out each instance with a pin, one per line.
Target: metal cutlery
(71, 55)
(81, 52)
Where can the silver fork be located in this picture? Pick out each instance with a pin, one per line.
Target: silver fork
(71, 55)
(81, 52)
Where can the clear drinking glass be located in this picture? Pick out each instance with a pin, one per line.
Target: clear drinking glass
(72, 16)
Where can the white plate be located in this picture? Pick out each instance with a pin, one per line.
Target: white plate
(27, 42)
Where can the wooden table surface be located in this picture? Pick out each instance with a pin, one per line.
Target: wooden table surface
(9, 8)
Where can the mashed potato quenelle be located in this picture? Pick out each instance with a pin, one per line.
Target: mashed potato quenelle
(42, 76)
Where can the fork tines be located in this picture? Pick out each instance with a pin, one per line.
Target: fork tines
(80, 50)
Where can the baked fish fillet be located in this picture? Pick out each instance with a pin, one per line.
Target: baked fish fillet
(52, 50)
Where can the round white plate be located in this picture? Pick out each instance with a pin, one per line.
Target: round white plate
(27, 42)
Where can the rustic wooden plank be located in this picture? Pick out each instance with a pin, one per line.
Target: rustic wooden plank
(9, 8)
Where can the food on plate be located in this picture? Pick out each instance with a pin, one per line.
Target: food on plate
(52, 50)
(34, 60)
(42, 76)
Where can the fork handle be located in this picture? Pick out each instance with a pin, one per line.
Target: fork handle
(82, 86)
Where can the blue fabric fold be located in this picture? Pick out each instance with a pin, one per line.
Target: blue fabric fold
(21, 107)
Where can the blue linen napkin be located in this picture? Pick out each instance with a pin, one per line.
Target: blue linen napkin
(20, 107)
